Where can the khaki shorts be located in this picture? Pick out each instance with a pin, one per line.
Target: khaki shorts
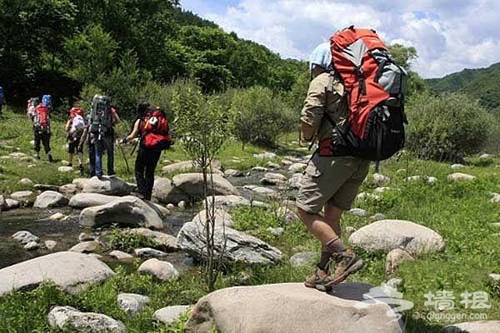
(333, 179)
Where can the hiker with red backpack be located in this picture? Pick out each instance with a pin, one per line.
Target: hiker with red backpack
(41, 126)
(151, 126)
(353, 110)
(75, 127)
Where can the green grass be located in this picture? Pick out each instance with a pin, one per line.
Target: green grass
(461, 212)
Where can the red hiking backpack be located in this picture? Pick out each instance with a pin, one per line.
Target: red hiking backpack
(41, 119)
(376, 88)
(155, 133)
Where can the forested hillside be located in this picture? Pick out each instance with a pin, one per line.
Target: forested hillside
(480, 84)
(66, 47)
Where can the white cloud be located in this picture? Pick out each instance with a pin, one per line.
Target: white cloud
(449, 35)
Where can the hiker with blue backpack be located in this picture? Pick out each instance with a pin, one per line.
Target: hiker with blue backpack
(354, 112)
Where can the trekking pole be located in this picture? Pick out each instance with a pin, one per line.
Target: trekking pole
(134, 148)
(124, 157)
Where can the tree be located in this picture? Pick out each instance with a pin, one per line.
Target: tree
(403, 56)
(123, 83)
(201, 121)
(32, 33)
(90, 54)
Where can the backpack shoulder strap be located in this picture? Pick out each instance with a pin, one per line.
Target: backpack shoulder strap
(329, 89)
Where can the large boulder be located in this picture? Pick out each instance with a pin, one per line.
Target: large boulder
(290, 308)
(485, 326)
(234, 245)
(84, 200)
(387, 235)
(189, 187)
(69, 318)
(127, 211)
(49, 199)
(70, 271)
(105, 185)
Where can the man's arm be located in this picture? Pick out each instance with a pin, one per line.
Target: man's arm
(114, 116)
(135, 130)
(67, 126)
(313, 110)
(84, 137)
(308, 132)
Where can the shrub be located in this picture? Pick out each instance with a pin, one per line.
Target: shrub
(122, 240)
(446, 127)
(259, 116)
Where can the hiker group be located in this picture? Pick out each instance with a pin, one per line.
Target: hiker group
(353, 112)
(96, 132)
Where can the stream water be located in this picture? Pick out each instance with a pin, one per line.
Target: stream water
(66, 233)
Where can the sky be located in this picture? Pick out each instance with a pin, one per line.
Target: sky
(449, 35)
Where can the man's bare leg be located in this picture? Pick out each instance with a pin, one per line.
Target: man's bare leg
(332, 217)
(324, 231)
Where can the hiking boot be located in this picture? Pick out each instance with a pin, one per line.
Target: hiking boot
(82, 170)
(347, 263)
(319, 280)
(51, 159)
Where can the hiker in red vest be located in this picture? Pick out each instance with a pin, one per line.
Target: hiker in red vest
(330, 183)
(151, 126)
(41, 129)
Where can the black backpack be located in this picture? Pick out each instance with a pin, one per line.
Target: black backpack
(101, 120)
